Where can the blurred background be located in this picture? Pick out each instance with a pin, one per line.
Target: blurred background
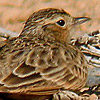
(13, 13)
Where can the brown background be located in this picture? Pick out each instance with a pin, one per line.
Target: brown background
(13, 13)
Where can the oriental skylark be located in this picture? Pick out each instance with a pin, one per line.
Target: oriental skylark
(41, 61)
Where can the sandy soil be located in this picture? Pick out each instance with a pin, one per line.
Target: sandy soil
(13, 13)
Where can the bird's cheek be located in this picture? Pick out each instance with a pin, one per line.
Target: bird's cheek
(52, 29)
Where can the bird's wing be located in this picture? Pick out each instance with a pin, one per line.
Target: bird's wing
(46, 68)
(89, 44)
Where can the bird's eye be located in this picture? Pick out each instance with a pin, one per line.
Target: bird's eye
(61, 22)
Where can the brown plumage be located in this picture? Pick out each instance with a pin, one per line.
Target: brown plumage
(41, 61)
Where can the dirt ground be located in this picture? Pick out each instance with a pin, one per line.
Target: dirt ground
(13, 13)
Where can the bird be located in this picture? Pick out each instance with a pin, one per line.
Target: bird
(42, 61)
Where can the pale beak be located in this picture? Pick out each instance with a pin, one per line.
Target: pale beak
(80, 20)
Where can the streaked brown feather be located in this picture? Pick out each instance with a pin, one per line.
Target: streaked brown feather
(40, 60)
(27, 72)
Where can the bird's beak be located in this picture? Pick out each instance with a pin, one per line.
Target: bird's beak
(80, 20)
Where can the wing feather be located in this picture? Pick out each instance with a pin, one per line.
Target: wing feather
(24, 70)
(53, 66)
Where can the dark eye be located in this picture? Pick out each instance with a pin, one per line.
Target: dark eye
(61, 22)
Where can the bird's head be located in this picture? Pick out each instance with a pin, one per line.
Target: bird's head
(51, 23)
